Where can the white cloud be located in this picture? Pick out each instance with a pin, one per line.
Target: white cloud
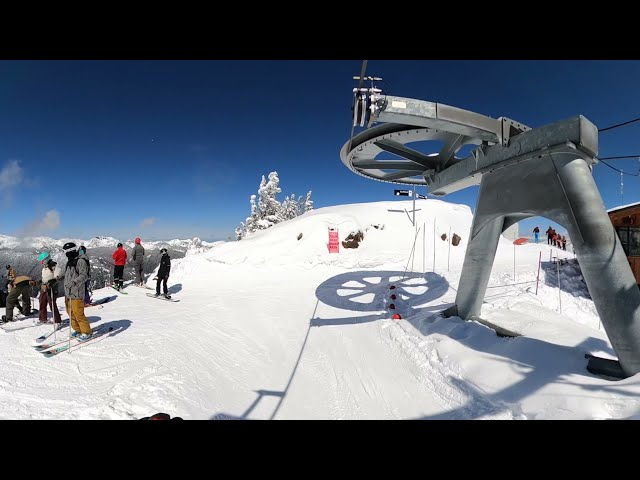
(11, 175)
(147, 222)
(47, 224)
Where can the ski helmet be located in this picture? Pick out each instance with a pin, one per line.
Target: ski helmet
(43, 257)
(119, 245)
(163, 251)
(82, 249)
(69, 247)
(70, 250)
(138, 240)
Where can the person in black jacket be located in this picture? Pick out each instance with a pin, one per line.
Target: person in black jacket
(163, 273)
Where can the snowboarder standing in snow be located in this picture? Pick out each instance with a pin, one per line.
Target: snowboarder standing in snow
(51, 273)
(21, 286)
(119, 260)
(163, 273)
(536, 233)
(75, 278)
(138, 258)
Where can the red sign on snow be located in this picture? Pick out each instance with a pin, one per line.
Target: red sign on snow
(333, 240)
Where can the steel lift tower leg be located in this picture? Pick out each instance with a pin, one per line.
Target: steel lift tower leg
(560, 187)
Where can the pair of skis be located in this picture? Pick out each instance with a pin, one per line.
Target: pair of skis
(50, 349)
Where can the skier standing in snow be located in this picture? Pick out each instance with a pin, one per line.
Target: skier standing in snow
(138, 258)
(163, 273)
(536, 233)
(51, 273)
(119, 259)
(75, 278)
(21, 286)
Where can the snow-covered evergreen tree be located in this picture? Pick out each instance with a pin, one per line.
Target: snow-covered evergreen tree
(294, 207)
(241, 231)
(283, 214)
(262, 199)
(308, 204)
(270, 208)
(252, 221)
(268, 211)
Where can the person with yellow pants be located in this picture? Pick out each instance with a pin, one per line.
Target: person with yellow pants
(76, 275)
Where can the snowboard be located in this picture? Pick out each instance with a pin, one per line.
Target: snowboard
(162, 298)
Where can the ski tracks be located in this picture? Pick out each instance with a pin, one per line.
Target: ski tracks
(444, 376)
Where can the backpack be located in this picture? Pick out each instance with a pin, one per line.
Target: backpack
(73, 263)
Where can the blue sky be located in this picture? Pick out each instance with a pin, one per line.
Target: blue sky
(167, 149)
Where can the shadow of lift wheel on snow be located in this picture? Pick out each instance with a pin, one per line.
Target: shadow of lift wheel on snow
(366, 291)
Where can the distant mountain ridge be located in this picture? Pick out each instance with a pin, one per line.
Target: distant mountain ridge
(21, 254)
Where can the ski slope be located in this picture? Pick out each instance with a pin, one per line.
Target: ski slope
(273, 327)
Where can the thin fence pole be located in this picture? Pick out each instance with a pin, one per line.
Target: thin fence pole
(538, 279)
(449, 254)
(424, 245)
(415, 238)
(434, 245)
(559, 291)
(414, 207)
(411, 255)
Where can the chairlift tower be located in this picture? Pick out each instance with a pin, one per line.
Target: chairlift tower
(522, 172)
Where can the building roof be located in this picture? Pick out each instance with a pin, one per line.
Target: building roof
(622, 207)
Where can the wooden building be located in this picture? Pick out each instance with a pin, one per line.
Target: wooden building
(626, 221)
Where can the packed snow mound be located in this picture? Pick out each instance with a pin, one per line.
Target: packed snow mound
(387, 231)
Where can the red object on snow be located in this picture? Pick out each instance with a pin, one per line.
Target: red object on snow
(392, 306)
(397, 316)
(521, 241)
(393, 297)
(392, 287)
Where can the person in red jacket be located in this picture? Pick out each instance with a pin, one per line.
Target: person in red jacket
(119, 260)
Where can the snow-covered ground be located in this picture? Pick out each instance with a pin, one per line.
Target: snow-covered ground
(277, 327)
